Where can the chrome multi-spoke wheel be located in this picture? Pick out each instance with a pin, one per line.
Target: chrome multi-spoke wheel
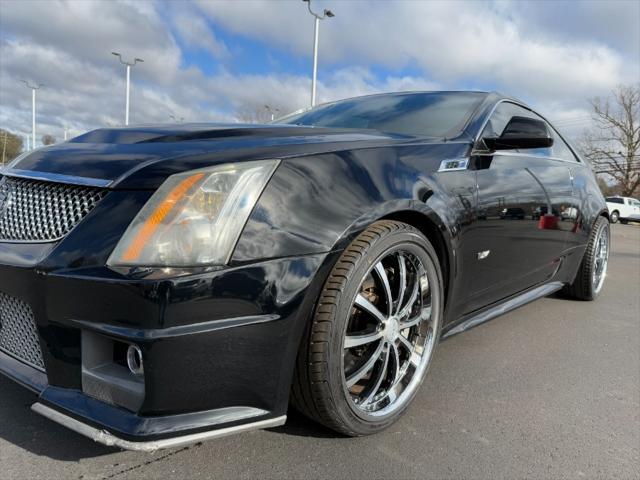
(593, 269)
(390, 333)
(375, 329)
(600, 260)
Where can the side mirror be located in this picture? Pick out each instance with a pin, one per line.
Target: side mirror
(521, 132)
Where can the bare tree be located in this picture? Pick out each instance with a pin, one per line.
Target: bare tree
(613, 145)
(10, 146)
(48, 139)
(256, 112)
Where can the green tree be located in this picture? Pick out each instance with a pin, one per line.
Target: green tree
(10, 146)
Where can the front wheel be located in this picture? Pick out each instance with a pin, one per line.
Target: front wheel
(593, 269)
(615, 215)
(375, 329)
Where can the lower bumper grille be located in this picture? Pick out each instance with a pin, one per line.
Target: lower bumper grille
(18, 332)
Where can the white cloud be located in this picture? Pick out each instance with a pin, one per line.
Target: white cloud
(552, 55)
(448, 40)
(194, 31)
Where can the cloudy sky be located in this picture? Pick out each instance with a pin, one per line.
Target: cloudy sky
(221, 60)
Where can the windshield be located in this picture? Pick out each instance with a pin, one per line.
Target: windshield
(435, 114)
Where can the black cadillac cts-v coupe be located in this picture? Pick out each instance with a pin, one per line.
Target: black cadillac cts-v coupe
(164, 285)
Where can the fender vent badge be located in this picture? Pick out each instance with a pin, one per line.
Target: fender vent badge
(454, 164)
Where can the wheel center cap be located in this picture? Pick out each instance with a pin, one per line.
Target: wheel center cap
(391, 329)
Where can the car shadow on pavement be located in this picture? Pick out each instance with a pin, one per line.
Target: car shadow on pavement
(300, 426)
(26, 429)
(23, 428)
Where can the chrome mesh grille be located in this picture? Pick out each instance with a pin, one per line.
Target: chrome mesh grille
(37, 211)
(18, 333)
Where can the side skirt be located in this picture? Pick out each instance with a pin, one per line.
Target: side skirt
(511, 304)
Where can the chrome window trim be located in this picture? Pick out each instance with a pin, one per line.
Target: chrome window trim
(512, 153)
(57, 178)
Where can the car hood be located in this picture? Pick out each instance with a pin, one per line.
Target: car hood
(142, 157)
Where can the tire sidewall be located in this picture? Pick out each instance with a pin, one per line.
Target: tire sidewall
(415, 243)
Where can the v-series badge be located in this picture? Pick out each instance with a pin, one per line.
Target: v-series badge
(453, 165)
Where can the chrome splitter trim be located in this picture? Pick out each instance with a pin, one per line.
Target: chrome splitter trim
(111, 440)
(57, 178)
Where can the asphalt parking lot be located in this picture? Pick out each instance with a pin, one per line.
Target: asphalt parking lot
(551, 390)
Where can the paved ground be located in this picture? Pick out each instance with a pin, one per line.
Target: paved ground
(551, 390)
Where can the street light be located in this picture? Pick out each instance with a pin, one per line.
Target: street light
(316, 31)
(272, 111)
(33, 88)
(128, 65)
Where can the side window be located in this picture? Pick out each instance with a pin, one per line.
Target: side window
(560, 149)
(501, 116)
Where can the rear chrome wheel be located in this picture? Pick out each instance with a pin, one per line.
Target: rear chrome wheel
(390, 334)
(600, 261)
(376, 326)
(591, 275)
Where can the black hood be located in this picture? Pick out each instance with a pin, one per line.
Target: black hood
(142, 157)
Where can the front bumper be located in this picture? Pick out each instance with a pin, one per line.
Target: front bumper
(219, 347)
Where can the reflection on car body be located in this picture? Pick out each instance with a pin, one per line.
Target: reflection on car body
(163, 285)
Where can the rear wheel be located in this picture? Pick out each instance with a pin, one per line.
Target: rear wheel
(593, 269)
(624, 221)
(375, 329)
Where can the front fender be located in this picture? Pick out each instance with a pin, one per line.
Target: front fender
(317, 204)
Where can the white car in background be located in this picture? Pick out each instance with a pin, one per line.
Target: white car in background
(624, 209)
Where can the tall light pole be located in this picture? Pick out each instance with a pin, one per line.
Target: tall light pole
(33, 88)
(4, 145)
(316, 32)
(272, 111)
(128, 65)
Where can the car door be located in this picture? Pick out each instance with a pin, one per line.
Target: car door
(572, 198)
(518, 237)
(631, 209)
(635, 209)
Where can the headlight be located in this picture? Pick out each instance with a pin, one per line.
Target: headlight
(195, 218)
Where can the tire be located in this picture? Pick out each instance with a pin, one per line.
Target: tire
(615, 215)
(592, 272)
(326, 369)
(624, 221)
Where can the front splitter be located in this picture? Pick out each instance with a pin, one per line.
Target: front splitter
(111, 440)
